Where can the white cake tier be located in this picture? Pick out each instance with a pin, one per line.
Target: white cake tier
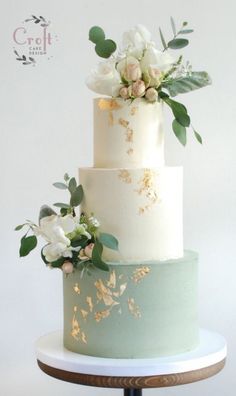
(128, 135)
(141, 207)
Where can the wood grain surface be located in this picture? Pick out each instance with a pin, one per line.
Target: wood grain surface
(154, 381)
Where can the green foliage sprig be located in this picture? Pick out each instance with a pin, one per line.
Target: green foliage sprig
(176, 42)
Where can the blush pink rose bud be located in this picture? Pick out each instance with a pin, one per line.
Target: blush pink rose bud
(88, 250)
(151, 94)
(124, 93)
(132, 72)
(138, 88)
(154, 72)
(67, 267)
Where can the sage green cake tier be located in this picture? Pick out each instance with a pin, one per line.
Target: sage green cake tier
(134, 311)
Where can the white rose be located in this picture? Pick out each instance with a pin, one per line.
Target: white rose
(155, 59)
(136, 40)
(129, 68)
(54, 228)
(53, 251)
(105, 79)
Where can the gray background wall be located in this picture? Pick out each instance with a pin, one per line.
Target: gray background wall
(46, 129)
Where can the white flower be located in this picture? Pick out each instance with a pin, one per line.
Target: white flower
(53, 251)
(136, 40)
(155, 59)
(105, 79)
(54, 228)
(94, 221)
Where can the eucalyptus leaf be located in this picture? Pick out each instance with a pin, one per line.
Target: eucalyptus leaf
(96, 34)
(62, 205)
(179, 111)
(27, 244)
(19, 227)
(97, 257)
(77, 196)
(180, 132)
(72, 185)
(45, 211)
(186, 31)
(108, 240)
(173, 25)
(61, 186)
(162, 39)
(197, 136)
(193, 81)
(178, 43)
(104, 48)
(66, 177)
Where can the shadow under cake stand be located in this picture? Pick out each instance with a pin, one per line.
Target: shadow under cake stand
(132, 374)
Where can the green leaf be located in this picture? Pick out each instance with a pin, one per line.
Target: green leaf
(27, 244)
(186, 31)
(72, 185)
(19, 227)
(58, 263)
(108, 240)
(66, 177)
(179, 111)
(62, 205)
(77, 196)
(80, 241)
(96, 34)
(97, 257)
(105, 48)
(197, 136)
(193, 81)
(180, 132)
(45, 211)
(178, 43)
(61, 186)
(162, 39)
(43, 257)
(173, 25)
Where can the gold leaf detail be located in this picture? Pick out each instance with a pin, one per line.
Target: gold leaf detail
(123, 122)
(112, 280)
(76, 332)
(76, 288)
(140, 273)
(133, 308)
(108, 104)
(101, 315)
(125, 176)
(84, 313)
(130, 151)
(133, 110)
(129, 135)
(110, 118)
(104, 293)
(90, 303)
(147, 188)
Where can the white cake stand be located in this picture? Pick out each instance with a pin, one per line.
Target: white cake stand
(132, 374)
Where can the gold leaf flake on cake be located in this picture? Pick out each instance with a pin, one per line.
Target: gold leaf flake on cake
(125, 176)
(146, 188)
(84, 313)
(123, 122)
(76, 288)
(110, 118)
(139, 273)
(134, 308)
(101, 314)
(108, 104)
(129, 135)
(104, 293)
(90, 303)
(130, 151)
(76, 331)
(133, 110)
(112, 280)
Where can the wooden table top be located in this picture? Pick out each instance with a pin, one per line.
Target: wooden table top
(203, 362)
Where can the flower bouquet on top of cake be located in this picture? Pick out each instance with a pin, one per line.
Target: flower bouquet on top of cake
(139, 70)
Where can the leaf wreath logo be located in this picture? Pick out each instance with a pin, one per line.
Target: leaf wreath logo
(35, 41)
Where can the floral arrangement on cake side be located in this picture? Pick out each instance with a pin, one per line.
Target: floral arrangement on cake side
(72, 241)
(139, 70)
